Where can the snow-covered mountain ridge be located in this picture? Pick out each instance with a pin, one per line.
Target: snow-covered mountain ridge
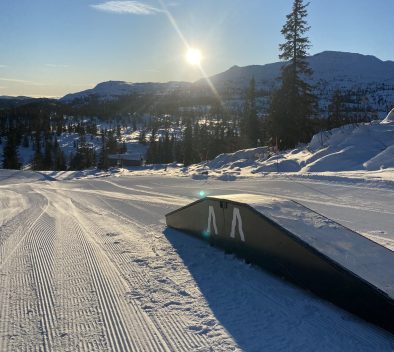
(111, 89)
(367, 80)
(342, 68)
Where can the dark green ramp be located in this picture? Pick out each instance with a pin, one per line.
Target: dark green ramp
(301, 245)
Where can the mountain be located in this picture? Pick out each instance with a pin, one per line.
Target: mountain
(342, 69)
(367, 81)
(8, 97)
(111, 89)
(7, 101)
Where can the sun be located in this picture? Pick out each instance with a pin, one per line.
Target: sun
(193, 56)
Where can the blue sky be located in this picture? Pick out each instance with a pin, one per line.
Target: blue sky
(52, 47)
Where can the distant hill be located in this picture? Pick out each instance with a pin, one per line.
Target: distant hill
(340, 69)
(111, 89)
(367, 81)
(7, 102)
(8, 97)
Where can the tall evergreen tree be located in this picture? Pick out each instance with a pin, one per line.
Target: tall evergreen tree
(336, 109)
(152, 156)
(37, 163)
(188, 144)
(112, 143)
(167, 149)
(250, 127)
(142, 137)
(59, 159)
(103, 162)
(47, 160)
(84, 157)
(10, 153)
(293, 104)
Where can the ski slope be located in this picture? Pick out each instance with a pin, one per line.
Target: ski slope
(88, 265)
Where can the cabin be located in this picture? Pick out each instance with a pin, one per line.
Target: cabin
(126, 160)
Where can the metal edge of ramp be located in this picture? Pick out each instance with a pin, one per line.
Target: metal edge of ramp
(239, 228)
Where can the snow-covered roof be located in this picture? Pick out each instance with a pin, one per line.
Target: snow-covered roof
(365, 258)
(134, 156)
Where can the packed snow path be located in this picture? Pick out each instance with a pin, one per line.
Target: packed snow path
(88, 265)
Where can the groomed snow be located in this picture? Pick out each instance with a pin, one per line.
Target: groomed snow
(89, 265)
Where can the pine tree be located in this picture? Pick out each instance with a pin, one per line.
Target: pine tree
(112, 143)
(188, 144)
(47, 161)
(25, 142)
(336, 110)
(59, 160)
(37, 163)
(293, 104)
(152, 154)
(85, 156)
(103, 162)
(10, 153)
(250, 127)
(167, 149)
(142, 137)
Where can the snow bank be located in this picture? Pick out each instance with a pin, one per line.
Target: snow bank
(88, 173)
(389, 118)
(241, 158)
(355, 153)
(383, 160)
(350, 148)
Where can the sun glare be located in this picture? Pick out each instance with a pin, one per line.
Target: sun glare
(193, 56)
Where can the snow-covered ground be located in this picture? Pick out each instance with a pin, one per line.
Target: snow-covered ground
(88, 264)
(68, 143)
(360, 151)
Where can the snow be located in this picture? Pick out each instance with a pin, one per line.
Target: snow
(68, 143)
(363, 76)
(354, 152)
(389, 118)
(112, 89)
(88, 264)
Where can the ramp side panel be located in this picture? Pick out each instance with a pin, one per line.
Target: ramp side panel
(363, 257)
(196, 219)
(262, 241)
(273, 248)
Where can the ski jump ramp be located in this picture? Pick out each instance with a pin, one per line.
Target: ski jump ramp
(301, 245)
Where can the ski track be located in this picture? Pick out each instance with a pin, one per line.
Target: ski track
(128, 328)
(84, 267)
(125, 327)
(172, 327)
(19, 310)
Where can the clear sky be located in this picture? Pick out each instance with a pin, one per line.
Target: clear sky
(53, 47)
